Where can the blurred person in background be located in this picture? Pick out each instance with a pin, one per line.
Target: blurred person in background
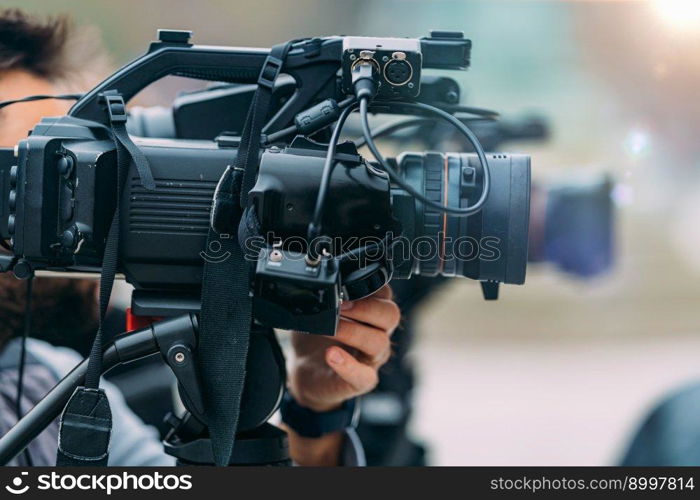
(47, 56)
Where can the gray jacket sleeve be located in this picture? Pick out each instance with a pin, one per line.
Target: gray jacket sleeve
(133, 443)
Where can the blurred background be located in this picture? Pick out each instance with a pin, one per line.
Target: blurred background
(559, 371)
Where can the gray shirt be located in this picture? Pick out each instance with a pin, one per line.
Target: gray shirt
(133, 443)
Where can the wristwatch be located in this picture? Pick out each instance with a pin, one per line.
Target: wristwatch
(313, 424)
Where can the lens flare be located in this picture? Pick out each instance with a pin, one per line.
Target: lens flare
(683, 15)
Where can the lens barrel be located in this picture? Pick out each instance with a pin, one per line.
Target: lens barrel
(490, 245)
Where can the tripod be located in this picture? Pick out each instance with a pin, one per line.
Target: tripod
(175, 338)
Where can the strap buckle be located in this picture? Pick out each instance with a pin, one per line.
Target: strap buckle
(116, 108)
(270, 70)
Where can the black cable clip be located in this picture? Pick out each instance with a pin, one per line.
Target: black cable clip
(269, 72)
(116, 107)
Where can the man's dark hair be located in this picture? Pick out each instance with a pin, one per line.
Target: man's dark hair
(53, 48)
(64, 310)
(50, 47)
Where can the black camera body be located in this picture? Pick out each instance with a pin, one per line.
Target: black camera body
(59, 190)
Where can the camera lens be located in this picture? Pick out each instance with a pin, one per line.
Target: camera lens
(489, 245)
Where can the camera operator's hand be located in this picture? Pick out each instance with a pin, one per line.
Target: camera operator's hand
(329, 370)
(326, 371)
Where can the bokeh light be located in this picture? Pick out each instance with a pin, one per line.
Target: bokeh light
(683, 15)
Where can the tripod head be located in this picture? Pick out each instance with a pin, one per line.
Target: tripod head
(175, 339)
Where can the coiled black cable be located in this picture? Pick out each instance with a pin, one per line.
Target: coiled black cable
(396, 178)
(391, 128)
(315, 224)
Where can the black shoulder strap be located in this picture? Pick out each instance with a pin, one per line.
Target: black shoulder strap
(226, 314)
(126, 153)
(87, 412)
(249, 148)
(116, 108)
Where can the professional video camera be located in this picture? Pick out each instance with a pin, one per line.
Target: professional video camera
(318, 222)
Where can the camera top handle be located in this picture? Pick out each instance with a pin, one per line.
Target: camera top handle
(313, 63)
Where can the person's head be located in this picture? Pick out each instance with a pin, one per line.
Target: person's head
(44, 55)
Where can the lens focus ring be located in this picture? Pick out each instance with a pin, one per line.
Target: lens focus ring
(434, 189)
